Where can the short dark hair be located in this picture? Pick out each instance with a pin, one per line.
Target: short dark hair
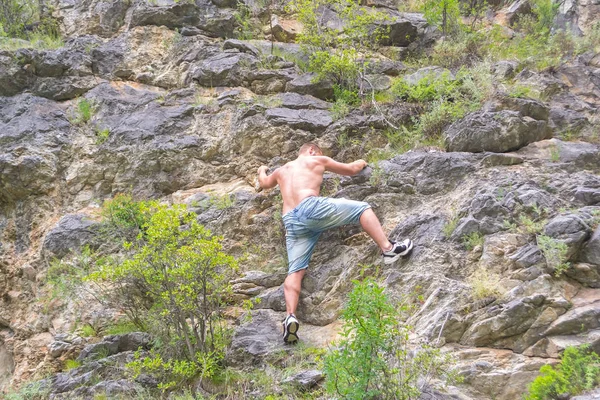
(307, 146)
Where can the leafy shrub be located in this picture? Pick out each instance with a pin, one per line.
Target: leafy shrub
(555, 252)
(173, 280)
(472, 240)
(102, 135)
(338, 54)
(29, 391)
(578, 371)
(84, 111)
(125, 218)
(71, 364)
(484, 283)
(373, 359)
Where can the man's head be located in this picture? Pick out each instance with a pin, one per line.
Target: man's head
(310, 149)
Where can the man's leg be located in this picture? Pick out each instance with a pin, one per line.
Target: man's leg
(370, 223)
(291, 290)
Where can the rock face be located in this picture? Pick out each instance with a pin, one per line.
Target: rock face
(180, 115)
(497, 132)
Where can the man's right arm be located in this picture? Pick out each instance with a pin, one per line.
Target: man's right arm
(267, 181)
(347, 169)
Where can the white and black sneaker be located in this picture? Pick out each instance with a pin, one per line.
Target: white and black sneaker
(398, 250)
(290, 329)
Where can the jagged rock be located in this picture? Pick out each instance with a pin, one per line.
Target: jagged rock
(57, 348)
(432, 172)
(590, 253)
(527, 256)
(304, 84)
(64, 88)
(568, 122)
(14, 77)
(114, 344)
(494, 160)
(496, 132)
(202, 15)
(405, 29)
(516, 10)
(427, 72)
(308, 120)
(302, 102)
(386, 67)
(71, 233)
(97, 17)
(269, 81)
(576, 320)
(578, 154)
(305, 379)
(570, 229)
(504, 69)
(285, 30)
(242, 46)
(256, 339)
(545, 84)
(526, 107)
(553, 346)
(586, 274)
(223, 69)
(593, 395)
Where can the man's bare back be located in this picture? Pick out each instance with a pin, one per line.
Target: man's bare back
(302, 177)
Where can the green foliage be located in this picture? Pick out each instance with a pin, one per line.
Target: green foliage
(373, 358)
(555, 153)
(84, 111)
(124, 218)
(245, 28)
(472, 240)
(530, 226)
(577, 372)
(88, 331)
(345, 100)
(121, 327)
(102, 135)
(484, 283)
(29, 391)
(430, 87)
(545, 12)
(71, 364)
(175, 373)
(26, 19)
(338, 54)
(555, 252)
(444, 14)
(450, 226)
(174, 278)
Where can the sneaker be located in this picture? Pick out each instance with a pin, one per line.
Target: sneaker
(290, 329)
(398, 250)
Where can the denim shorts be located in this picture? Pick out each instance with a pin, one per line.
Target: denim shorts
(305, 223)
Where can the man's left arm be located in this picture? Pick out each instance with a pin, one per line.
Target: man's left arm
(267, 181)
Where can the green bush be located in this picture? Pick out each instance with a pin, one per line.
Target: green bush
(373, 359)
(577, 372)
(124, 217)
(173, 280)
(443, 13)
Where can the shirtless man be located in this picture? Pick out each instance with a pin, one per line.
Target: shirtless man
(306, 216)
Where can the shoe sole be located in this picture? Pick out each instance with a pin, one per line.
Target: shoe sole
(396, 257)
(291, 335)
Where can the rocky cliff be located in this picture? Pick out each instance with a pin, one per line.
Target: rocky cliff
(182, 114)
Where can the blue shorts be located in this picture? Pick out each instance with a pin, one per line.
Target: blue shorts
(305, 223)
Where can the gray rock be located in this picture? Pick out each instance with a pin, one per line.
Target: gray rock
(588, 196)
(285, 31)
(97, 17)
(494, 160)
(297, 101)
(57, 348)
(64, 88)
(526, 107)
(590, 253)
(114, 344)
(224, 69)
(593, 395)
(71, 233)
(579, 154)
(517, 9)
(386, 67)
(241, 45)
(14, 77)
(256, 339)
(404, 29)
(586, 274)
(304, 84)
(570, 229)
(527, 256)
(568, 122)
(504, 69)
(305, 379)
(432, 172)
(308, 120)
(496, 132)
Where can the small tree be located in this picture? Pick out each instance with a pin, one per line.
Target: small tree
(443, 13)
(373, 359)
(174, 276)
(339, 52)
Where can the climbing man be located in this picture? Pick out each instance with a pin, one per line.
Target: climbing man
(306, 216)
